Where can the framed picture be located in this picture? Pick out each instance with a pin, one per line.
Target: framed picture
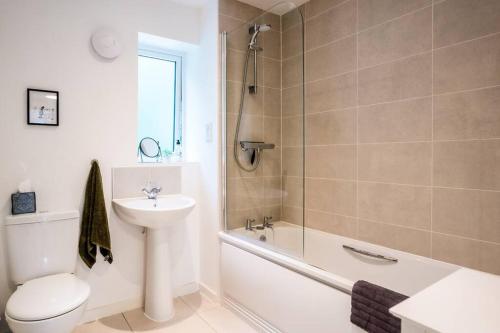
(43, 107)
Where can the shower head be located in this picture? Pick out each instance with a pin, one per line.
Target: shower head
(254, 31)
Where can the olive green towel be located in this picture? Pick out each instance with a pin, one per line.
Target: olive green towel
(94, 230)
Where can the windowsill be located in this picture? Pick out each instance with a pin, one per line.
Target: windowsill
(158, 164)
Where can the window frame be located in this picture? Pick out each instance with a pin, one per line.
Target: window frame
(166, 55)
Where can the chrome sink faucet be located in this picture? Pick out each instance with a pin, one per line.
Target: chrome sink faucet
(151, 191)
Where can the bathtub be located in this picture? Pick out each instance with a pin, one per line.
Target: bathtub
(282, 286)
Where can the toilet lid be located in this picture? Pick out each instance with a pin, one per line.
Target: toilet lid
(47, 297)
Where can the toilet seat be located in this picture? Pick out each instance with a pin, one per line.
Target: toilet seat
(47, 297)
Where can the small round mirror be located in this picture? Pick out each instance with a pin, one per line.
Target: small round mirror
(149, 147)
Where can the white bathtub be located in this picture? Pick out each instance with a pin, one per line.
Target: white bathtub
(284, 286)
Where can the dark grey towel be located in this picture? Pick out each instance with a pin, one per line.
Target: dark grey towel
(94, 231)
(370, 306)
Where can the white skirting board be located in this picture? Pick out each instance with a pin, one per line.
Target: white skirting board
(131, 304)
(111, 309)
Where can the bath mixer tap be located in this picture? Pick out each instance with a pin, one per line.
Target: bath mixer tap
(266, 223)
(249, 225)
(152, 192)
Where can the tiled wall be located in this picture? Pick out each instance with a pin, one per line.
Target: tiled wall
(253, 194)
(403, 125)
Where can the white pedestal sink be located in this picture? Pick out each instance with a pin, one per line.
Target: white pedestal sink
(157, 216)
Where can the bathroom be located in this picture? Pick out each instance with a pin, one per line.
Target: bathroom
(259, 166)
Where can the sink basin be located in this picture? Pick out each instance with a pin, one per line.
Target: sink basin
(159, 217)
(163, 212)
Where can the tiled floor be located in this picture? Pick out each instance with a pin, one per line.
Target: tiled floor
(193, 313)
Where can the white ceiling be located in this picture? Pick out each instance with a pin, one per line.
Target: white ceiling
(262, 4)
(267, 4)
(191, 3)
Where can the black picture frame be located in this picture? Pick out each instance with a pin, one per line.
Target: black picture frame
(28, 117)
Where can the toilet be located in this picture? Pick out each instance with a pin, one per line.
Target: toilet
(42, 250)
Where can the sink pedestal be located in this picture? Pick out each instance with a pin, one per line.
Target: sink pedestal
(158, 216)
(159, 302)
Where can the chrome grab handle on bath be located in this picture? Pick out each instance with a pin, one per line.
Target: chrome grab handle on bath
(369, 254)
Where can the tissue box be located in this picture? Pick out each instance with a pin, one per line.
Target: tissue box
(23, 203)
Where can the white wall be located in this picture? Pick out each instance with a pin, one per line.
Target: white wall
(45, 44)
(202, 96)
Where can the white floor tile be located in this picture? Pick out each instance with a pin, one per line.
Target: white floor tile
(185, 321)
(224, 321)
(112, 324)
(198, 302)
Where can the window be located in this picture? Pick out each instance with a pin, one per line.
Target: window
(159, 81)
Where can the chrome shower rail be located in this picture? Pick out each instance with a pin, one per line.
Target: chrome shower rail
(369, 254)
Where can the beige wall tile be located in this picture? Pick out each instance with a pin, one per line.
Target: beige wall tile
(228, 24)
(251, 128)
(334, 224)
(293, 100)
(269, 18)
(272, 101)
(272, 211)
(292, 41)
(402, 163)
(467, 164)
(253, 103)
(246, 193)
(408, 206)
(245, 159)
(235, 65)
(238, 218)
(272, 130)
(395, 122)
(333, 24)
(332, 196)
(338, 92)
(467, 252)
(399, 238)
(403, 37)
(373, 12)
(270, 41)
(331, 127)
(293, 215)
(233, 170)
(292, 18)
(237, 37)
(271, 73)
(459, 20)
(336, 161)
(293, 131)
(293, 191)
(315, 7)
(333, 59)
(238, 10)
(271, 162)
(402, 79)
(468, 115)
(272, 191)
(467, 66)
(293, 72)
(293, 161)
(468, 213)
